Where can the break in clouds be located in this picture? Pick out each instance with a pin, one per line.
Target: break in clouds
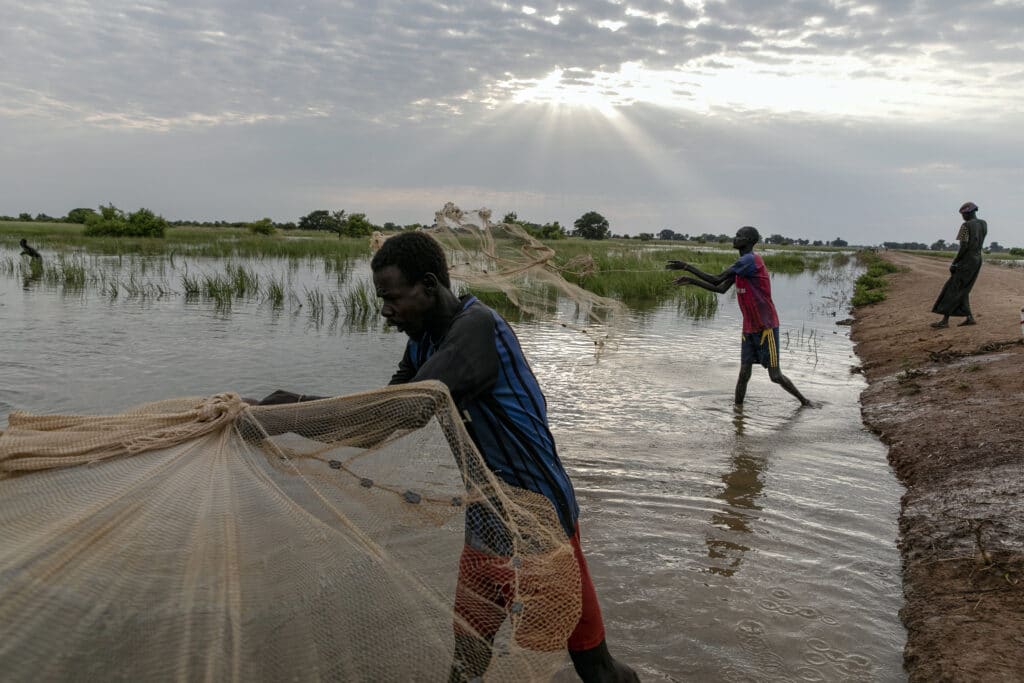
(807, 112)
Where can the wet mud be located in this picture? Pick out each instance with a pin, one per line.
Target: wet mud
(949, 403)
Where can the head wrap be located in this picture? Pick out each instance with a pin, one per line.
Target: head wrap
(967, 208)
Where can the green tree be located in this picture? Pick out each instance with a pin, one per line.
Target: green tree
(113, 222)
(548, 231)
(938, 245)
(264, 226)
(356, 225)
(838, 242)
(552, 231)
(510, 217)
(79, 215)
(321, 219)
(109, 221)
(339, 223)
(645, 237)
(27, 217)
(667, 234)
(145, 223)
(591, 226)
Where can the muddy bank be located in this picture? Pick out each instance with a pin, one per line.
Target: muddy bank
(950, 405)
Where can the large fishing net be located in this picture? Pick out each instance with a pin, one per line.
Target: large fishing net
(207, 539)
(488, 257)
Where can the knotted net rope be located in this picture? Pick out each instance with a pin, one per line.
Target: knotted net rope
(202, 538)
(40, 442)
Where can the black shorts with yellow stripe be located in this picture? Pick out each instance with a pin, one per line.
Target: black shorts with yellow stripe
(761, 347)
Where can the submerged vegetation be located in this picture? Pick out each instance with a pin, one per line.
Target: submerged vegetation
(228, 265)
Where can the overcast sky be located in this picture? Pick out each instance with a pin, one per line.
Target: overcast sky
(870, 121)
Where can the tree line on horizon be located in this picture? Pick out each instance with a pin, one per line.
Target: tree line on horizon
(110, 221)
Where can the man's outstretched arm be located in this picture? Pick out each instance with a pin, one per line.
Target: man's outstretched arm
(725, 275)
(718, 285)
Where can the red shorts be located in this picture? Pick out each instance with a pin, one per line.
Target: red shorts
(486, 595)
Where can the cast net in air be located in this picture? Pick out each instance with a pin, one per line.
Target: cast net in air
(205, 539)
(504, 258)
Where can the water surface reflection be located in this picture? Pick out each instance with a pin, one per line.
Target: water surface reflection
(743, 484)
(725, 546)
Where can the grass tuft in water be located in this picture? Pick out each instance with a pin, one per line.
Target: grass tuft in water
(871, 286)
(315, 304)
(275, 292)
(361, 301)
(191, 284)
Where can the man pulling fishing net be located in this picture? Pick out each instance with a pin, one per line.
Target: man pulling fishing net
(422, 531)
(474, 352)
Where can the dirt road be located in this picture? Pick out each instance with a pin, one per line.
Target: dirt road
(950, 405)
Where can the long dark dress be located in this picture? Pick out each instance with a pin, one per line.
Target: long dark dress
(954, 299)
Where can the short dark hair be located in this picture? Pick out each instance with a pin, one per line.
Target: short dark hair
(414, 254)
(750, 232)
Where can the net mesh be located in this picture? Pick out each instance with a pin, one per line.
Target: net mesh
(207, 539)
(504, 257)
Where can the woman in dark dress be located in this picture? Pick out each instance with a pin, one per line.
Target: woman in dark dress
(954, 299)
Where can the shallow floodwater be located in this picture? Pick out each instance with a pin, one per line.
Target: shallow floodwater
(726, 546)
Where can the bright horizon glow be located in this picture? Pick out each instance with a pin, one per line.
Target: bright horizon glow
(839, 87)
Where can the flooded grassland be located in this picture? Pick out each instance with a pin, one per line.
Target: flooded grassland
(725, 545)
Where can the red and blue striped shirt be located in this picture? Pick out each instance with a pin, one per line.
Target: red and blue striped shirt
(480, 361)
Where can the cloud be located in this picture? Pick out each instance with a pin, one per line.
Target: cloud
(748, 106)
(237, 62)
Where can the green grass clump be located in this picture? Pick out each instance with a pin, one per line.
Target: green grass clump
(275, 292)
(244, 281)
(192, 284)
(67, 272)
(634, 275)
(315, 304)
(788, 263)
(360, 301)
(871, 286)
(189, 241)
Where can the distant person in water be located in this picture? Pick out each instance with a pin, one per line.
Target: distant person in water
(26, 250)
(754, 294)
(954, 299)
